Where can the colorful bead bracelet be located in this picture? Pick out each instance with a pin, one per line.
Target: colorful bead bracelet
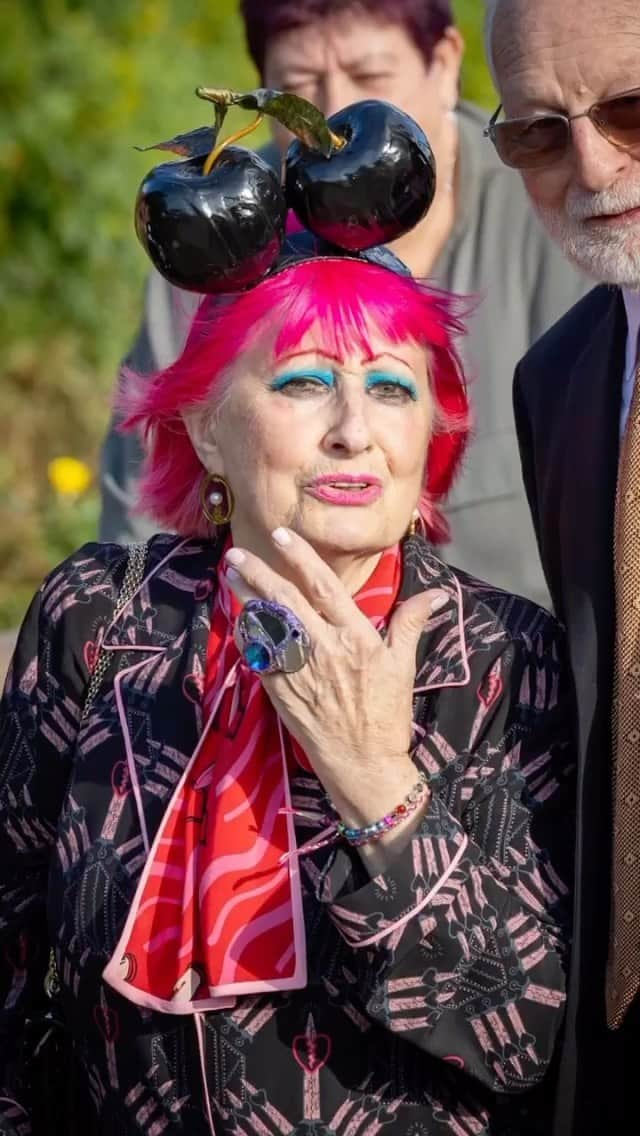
(412, 801)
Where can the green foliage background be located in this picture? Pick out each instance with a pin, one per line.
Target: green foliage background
(81, 83)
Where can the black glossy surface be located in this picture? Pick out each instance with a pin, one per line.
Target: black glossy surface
(373, 190)
(217, 233)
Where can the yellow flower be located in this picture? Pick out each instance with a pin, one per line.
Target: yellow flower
(68, 476)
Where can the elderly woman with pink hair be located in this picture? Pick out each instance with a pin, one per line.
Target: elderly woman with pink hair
(286, 794)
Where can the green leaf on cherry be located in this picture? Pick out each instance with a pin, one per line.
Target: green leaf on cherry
(298, 115)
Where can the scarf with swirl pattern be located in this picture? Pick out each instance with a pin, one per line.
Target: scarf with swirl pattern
(218, 910)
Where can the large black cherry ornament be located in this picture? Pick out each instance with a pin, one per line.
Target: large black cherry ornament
(215, 221)
(212, 232)
(372, 188)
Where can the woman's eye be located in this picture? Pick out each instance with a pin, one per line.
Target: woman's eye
(372, 82)
(303, 87)
(297, 386)
(389, 391)
(304, 386)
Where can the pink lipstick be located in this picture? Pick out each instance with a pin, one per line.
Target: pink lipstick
(346, 488)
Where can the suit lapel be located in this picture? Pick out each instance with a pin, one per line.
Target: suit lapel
(590, 430)
(591, 446)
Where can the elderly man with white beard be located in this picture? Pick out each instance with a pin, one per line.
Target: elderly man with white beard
(569, 77)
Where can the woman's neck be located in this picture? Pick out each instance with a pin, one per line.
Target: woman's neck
(353, 571)
(352, 568)
(421, 247)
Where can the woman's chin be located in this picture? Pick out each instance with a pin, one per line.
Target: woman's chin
(353, 537)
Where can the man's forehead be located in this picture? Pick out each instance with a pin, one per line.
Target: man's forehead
(584, 43)
(518, 24)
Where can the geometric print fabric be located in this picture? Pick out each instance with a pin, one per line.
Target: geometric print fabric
(623, 968)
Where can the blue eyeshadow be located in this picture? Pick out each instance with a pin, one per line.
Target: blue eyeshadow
(325, 377)
(378, 378)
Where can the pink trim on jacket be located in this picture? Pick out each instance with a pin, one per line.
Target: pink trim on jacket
(202, 1053)
(224, 995)
(463, 651)
(414, 910)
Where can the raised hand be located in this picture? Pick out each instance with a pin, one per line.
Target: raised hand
(349, 706)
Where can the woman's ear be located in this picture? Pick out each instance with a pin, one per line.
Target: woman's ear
(446, 63)
(200, 424)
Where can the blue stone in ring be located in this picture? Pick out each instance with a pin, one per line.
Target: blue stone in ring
(257, 657)
(274, 638)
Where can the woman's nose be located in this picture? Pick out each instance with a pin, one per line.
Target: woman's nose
(597, 162)
(338, 91)
(349, 432)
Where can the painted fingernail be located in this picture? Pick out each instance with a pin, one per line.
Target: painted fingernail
(438, 600)
(234, 556)
(281, 536)
(232, 575)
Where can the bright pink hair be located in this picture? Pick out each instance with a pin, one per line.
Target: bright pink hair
(344, 299)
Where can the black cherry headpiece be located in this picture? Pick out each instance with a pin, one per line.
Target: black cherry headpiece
(215, 221)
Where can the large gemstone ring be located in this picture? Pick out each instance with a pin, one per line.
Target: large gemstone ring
(273, 638)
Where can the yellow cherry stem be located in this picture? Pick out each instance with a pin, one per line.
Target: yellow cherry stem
(217, 150)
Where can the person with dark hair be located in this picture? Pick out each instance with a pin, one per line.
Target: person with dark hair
(289, 797)
(480, 237)
(427, 24)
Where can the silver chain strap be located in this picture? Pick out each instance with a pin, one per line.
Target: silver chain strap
(136, 560)
(137, 555)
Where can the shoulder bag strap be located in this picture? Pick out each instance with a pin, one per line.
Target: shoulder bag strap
(136, 560)
(133, 576)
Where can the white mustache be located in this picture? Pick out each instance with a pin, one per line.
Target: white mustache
(582, 206)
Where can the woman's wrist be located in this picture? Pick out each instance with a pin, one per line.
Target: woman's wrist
(378, 855)
(363, 791)
(375, 830)
(393, 796)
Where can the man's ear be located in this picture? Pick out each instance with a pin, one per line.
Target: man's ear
(200, 424)
(446, 63)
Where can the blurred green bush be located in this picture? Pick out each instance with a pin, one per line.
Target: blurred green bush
(80, 85)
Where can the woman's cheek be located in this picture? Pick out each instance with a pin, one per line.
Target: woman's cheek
(408, 452)
(270, 446)
(289, 430)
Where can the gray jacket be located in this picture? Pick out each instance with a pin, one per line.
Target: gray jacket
(497, 253)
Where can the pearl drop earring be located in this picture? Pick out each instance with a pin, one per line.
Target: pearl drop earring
(216, 499)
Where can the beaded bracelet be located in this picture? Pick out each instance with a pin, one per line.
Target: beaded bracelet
(412, 801)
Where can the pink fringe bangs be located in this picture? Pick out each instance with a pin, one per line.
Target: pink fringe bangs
(343, 300)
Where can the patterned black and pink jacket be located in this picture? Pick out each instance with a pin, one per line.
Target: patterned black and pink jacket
(435, 991)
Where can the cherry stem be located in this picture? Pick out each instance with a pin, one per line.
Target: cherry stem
(337, 140)
(217, 150)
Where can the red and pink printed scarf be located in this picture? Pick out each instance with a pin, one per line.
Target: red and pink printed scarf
(218, 910)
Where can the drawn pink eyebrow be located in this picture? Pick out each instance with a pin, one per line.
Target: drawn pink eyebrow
(366, 359)
(384, 355)
(310, 351)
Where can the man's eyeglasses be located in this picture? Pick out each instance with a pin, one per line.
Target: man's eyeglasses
(530, 143)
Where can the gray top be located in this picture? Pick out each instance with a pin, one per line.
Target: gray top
(498, 253)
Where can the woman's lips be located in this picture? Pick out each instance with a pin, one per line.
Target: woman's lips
(350, 489)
